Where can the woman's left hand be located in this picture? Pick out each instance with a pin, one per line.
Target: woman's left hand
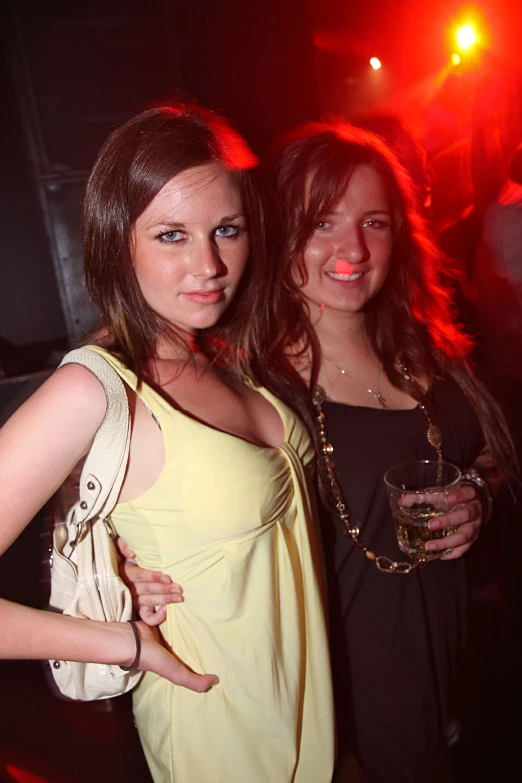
(467, 518)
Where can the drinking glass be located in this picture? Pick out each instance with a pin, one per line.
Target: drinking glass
(418, 491)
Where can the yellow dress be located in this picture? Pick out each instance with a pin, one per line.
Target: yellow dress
(232, 523)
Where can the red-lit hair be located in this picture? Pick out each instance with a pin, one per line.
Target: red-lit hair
(411, 316)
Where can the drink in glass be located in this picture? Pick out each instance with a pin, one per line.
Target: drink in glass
(418, 492)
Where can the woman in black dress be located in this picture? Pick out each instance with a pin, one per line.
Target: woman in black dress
(360, 310)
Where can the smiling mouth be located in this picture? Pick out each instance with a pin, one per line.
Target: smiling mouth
(345, 278)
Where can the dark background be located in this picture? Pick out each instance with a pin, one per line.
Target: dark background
(70, 72)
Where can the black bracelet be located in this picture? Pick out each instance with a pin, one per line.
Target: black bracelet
(134, 664)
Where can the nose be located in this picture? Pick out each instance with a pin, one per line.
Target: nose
(352, 246)
(206, 260)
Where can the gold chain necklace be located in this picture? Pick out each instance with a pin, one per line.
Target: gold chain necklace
(434, 437)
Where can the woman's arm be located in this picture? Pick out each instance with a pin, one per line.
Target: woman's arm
(33, 634)
(39, 446)
(43, 441)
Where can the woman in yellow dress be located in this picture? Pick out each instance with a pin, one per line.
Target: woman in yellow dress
(215, 493)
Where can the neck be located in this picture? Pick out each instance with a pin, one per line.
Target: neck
(338, 332)
(182, 349)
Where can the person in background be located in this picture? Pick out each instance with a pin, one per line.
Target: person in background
(497, 278)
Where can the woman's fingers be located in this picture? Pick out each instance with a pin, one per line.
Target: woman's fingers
(441, 500)
(459, 542)
(155, 657)
(152, 615)
(468, 512)
(463, 494)
(141, 581)
(125, 550)
(151, 590)
(466, 518)
(153, 584)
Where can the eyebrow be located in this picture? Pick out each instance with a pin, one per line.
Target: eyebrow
(377, 211)
(174, 225)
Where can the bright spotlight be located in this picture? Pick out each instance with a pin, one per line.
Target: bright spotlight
(375, 63)
(455, 58)
(466, 37)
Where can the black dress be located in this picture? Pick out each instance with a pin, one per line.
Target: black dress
(396, 639)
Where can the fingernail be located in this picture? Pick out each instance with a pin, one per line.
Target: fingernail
(433, 524)
(430, 547)
(177, 599)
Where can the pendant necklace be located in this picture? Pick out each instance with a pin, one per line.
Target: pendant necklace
(376, 393)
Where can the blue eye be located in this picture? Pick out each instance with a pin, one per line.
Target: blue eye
(228, 232)
(170, 237)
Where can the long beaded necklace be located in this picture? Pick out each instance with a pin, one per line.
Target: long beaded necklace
(434, 437)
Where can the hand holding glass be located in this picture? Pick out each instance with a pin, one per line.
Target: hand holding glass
(418, 492)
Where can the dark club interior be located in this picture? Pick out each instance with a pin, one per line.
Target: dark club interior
(441, 84)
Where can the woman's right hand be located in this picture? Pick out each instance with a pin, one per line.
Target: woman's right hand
(151, 590)
(155, 657)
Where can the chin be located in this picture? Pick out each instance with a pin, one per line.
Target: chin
(206, 322)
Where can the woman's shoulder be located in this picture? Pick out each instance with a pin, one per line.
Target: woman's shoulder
(71, 404)
(76, 386)
(114, 360)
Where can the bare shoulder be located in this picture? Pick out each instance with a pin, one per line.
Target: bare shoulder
(71, 398)
(77, 380)
(76, 388)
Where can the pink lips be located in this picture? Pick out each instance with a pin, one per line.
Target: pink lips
(205, 297)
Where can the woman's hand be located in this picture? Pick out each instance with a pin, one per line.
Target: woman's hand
(155, 657)
(467, 518)
(151, 590)
(32, 634)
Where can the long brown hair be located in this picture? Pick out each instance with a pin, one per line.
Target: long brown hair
(411, 315)
(135, 162)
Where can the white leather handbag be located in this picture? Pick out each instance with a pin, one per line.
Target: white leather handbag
(84, 565)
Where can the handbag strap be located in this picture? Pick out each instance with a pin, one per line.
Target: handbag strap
(106, 462)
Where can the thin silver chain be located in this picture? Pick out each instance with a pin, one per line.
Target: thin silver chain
(374, 392)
